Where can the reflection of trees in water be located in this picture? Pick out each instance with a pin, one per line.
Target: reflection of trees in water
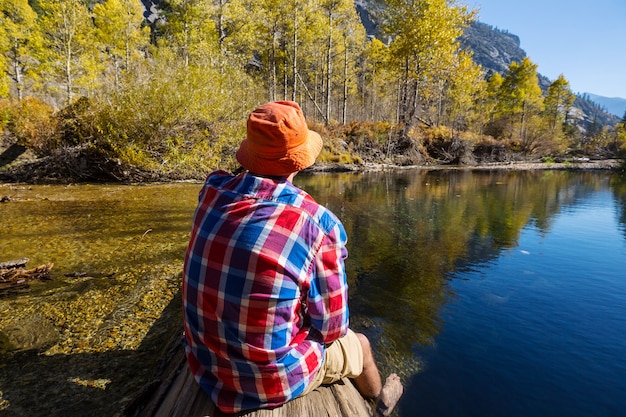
(408, 230)
(618, 185)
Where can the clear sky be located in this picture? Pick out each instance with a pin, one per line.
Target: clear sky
(585, 40)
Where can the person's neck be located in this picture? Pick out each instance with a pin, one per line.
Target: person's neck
(289, 177)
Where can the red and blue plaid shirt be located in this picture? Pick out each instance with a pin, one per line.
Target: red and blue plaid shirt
(264, 289)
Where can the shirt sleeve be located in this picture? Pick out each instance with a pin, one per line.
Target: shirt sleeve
(327, 301)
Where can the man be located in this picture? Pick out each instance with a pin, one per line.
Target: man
(264, 286)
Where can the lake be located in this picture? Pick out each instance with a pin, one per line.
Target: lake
(494, 293)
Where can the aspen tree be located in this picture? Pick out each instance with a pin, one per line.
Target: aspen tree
(69, 36)
(120, 31)
(377, 83)
(520, 96)
(21, 44)
(5, 80)
(558, 104)
(466, 89)
(191, 31)
(424, 44)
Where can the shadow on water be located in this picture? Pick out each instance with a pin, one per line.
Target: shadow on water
(85, 384)
(87, 344)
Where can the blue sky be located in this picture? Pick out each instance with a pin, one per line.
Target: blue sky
(583, 40)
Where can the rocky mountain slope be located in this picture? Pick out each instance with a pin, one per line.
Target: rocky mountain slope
(494, 49)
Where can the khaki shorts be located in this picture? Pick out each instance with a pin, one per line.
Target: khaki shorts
(343, 359)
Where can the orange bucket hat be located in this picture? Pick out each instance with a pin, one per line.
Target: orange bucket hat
(278, 140)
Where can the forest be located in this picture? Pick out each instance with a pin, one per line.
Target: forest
(95, 90)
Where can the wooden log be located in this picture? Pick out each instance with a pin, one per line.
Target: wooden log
(14, 278)
(178, 395)
(41, 273)
(18, 263)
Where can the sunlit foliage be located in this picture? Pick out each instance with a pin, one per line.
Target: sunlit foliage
(172, 92)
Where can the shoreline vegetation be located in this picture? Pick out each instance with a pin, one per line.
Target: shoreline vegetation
(353, 148)
(168, 100)
(50, 171)
(80, 164)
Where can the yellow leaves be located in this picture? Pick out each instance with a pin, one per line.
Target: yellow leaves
(191, 31)
(100, 383)
(119, 27)
(30, 122)
(4, 88)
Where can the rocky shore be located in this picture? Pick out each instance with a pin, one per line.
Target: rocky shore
(575, 164)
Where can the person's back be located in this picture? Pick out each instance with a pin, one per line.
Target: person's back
(265, 296)
(256, 247)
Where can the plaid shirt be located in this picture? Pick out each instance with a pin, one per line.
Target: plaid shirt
(264, 289)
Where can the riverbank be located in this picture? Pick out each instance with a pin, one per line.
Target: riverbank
(20, 165)
(573, 164)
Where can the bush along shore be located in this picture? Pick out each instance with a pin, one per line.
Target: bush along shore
(355, 147)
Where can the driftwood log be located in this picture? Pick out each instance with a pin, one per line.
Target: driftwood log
(15, 278)
(176, 394)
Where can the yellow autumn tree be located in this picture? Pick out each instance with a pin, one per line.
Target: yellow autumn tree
(5, 80)
(424, 49)
(464, 91)
(558, 103)
(21, 46)
(520, 102)
(120, 32)
(73, 59)
(190, 30)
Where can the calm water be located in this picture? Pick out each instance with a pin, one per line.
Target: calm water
(492, 294)
(508, 288)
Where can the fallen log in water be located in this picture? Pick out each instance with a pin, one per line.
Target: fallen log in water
(19, 263)
(15, 278)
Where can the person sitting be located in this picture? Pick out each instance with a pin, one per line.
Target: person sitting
(265, 295)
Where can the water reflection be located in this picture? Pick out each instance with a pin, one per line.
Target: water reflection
(618, 185)
(409, 232)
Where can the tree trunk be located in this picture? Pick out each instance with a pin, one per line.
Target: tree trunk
(344, 107)
(18, 73)
(294, 58)
(329, 58)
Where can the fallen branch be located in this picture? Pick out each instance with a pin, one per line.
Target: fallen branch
(15, 278)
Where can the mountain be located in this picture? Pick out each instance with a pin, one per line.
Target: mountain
(613, 105)
(494, 49)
